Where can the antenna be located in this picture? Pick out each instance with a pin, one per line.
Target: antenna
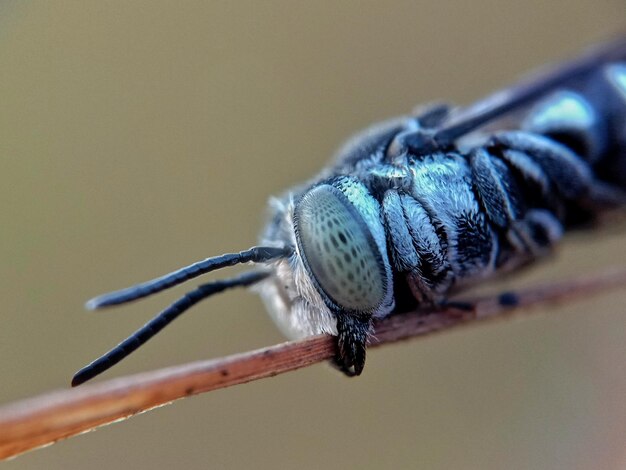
(143, 334)
(256, 254)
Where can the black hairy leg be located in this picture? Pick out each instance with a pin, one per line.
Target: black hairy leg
(352, 336)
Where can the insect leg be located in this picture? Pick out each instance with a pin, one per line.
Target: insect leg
(416, 249)
(501, 198)
(142, 335)
(404, 256)
(567, 173)
(562, 170)
(496, 187)
(539, 230)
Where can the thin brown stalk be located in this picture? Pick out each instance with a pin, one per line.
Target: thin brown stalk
(45, 419)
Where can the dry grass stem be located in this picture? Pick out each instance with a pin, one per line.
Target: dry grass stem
(45, 419)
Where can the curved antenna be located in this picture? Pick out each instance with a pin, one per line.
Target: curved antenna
(143, 334)
(256, 254)
(506, 100)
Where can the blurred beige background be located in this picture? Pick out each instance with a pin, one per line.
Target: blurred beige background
(136, 137)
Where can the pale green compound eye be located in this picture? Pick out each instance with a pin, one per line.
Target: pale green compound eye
(339, 250)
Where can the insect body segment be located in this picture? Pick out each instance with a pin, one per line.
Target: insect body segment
(418, 206)
(457, 214)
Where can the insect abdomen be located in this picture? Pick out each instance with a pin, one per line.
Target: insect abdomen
(612, 165)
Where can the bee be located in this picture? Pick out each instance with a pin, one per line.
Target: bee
(418, 207)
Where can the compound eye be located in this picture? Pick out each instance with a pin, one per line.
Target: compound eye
(339, 250)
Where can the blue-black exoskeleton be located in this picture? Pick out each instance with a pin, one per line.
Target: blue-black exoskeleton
(415, 207)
